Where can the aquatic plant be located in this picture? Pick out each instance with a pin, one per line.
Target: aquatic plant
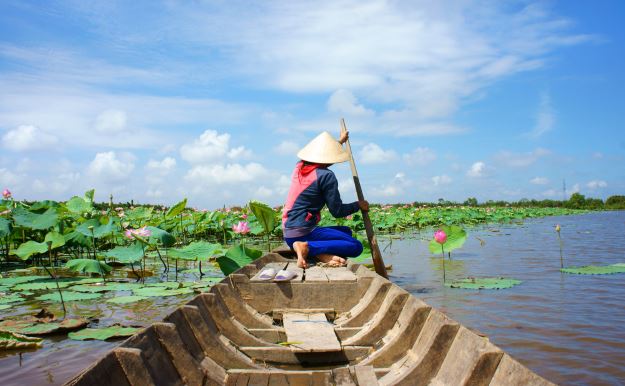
(440, 237)
(560, 240)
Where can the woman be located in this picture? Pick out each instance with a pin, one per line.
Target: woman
(314, 186)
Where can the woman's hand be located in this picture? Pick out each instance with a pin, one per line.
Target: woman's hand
(364, 205)
(344, 137)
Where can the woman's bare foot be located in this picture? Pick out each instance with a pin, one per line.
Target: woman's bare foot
(301, 248)
(331, 260)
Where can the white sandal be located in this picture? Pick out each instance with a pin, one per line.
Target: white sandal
(267, 274)
(285, 275)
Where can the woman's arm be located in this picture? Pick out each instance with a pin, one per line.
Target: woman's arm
(330, 188)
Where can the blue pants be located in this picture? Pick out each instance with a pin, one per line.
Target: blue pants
(336, 240)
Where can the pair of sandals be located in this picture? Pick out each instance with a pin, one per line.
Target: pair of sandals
(275, 275)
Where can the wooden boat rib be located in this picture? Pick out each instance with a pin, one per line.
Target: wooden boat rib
(329, 326)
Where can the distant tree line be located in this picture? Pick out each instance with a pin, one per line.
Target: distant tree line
(576, 201)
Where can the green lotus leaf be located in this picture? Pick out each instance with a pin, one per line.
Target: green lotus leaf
(176, 209)
(127, 299)
(44, 204)
(595, 269)
(236, 257)
(43, 285)
(29, 248)
(99, 230)
(117, 286)
(78, 205)
(265, 215)
(484, 283)
(89, 195)
(165, 284)
(5, 306)
(196, 251)
(27, 219)
(5, 227)
(68, 296)
(165, 238)
(12, 298)
(126, 254)
(12, 341)
(10, 281)
(456, 236)
(88, 266)
(103, 333)
(77, 238)
(90, 288)
(160, 291)
(139, 213)
(55, 238)
(49, 328)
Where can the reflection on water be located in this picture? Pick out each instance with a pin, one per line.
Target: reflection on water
(568, 328)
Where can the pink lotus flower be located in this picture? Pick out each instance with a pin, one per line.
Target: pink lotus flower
(241, 228)
(244, 216)
(6, 193)
(440, 236)
(141, 232)
(349, 217)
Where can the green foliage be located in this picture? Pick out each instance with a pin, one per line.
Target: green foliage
(236, 257)
(5, 227)
(79, 205)
(484, 283)
(88, 266)
(68, 296)
(99, 230)
(456, 236)
(177, 209)
(29, 248)
(615, 202)
(165, 238)
(126, 299)
(27, 219)
(103, 333)
(127, 254)
(595, 269)
(161, 291)
(13, 341)
(265, 214)
(196, 251)
(55, 238)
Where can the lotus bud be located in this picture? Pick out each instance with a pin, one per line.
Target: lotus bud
(558, 228)
(440, 236)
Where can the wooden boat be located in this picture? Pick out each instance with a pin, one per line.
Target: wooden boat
(328, 326)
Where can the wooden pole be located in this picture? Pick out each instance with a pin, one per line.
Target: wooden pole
(378, 263)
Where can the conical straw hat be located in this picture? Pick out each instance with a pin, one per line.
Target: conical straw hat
(324, 149)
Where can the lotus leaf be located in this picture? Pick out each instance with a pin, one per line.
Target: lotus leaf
(265, 214)
(127, 255)
(484, 283)
(68, 296)
(45, 204)
(12, 298)
(103, 333)
(160, 291)
(78, 205)
(99, 230)
(90, 288)
(12, 341)
(27, 219)
(126, 299)
(596, 269)
(78, 238)
(29, 248)
(4, 306)
(5, 227)
(88, 265)
(9, 281)
(196, 251)
(121, 286)
(165, 238)
(177, 209)
(39, 329)
(40, 285)
(236, 257)
(89, 195)
(165, 284)
(139, 213)
(456, 236)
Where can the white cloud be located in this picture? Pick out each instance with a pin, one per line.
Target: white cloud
(27, 137)
(212, 147)
(477, 170)
(420, 156)
(441, 180)
(288, 148)
(111, 167)
(597, 184)
(7, 178)
(520, 160)
(373, 154)
(343, 101)
(545, 118)
(225, 174)
(158, 169)
(539, 181)
(111, 121)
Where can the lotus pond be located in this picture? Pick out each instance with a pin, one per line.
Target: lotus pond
(125, 267)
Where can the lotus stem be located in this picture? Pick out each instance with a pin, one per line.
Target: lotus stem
(561, 257)
(55, 279)
(162, 261)
(443, 259)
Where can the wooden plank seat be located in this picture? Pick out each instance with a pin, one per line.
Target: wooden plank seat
(310, 332)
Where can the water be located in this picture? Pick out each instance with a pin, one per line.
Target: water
(567, 328)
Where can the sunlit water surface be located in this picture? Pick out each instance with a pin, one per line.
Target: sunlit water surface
(567, 328)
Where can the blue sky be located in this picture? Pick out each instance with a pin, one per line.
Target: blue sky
(210, 100)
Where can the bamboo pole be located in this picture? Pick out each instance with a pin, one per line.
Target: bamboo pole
(378, 263)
